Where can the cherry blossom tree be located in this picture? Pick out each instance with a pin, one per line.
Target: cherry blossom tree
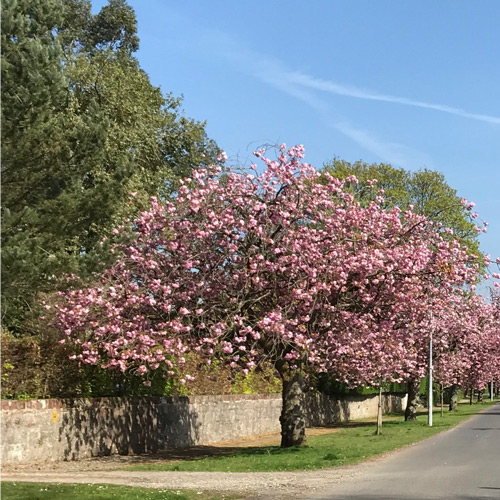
(456, 314)
(274, 267)
(473, 360)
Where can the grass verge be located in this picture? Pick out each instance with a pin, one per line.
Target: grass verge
(59, 491)
(352, 443)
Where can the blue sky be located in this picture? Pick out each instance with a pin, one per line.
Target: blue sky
(415, 84)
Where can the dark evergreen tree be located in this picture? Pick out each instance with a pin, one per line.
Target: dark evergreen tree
(82, 128)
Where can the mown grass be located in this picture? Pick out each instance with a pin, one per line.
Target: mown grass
(352, 443)
(58, 491)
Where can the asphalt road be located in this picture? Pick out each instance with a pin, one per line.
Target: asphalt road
(462, 464)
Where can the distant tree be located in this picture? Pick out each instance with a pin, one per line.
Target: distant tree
(82, 127)
(430, 195)
(427, 190)
(468, 342)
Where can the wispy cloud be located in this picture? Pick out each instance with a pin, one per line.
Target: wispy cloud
(274, 72)
(305, 88)
(390, 152)
(310, 82)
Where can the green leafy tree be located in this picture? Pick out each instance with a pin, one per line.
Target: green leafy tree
(82, 128)
(427, 190)
(34, 90)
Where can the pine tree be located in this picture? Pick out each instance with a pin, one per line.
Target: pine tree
(82, 127)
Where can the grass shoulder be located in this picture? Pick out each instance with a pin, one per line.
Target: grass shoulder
(60, 491)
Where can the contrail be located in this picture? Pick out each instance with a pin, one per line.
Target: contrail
(275, 73)
(348, 91)
(303, 87)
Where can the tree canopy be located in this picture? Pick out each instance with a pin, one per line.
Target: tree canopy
(273, 267)
(82, 127)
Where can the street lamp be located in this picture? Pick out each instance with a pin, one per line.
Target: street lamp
(430, 402)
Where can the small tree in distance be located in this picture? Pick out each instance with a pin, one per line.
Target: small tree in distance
(275, 266)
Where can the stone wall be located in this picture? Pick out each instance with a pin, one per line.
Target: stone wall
(51, 430)
(323, 410)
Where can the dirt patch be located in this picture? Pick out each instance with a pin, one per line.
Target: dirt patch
(271, 438)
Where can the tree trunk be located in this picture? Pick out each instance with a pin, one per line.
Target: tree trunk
(480, 395)
(453, 398)
(471, 396)
(379, 413)
(293, 425)
(413, 399)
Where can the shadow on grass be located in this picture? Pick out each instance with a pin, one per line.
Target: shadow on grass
(193, 453)
(201, 452)
(350, 425)
(212, 451)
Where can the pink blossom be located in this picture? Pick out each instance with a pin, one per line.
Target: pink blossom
(142, 370)
(289, 270)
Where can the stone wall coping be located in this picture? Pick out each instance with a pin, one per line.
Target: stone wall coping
(114, 402)
(61, 404)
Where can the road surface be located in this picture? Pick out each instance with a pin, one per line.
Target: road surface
(462, 464)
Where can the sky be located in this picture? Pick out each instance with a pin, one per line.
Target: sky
(414, 84)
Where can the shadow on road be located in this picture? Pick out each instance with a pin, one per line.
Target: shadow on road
(485, 428)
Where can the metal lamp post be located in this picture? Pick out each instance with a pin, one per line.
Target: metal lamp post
(430, 401)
